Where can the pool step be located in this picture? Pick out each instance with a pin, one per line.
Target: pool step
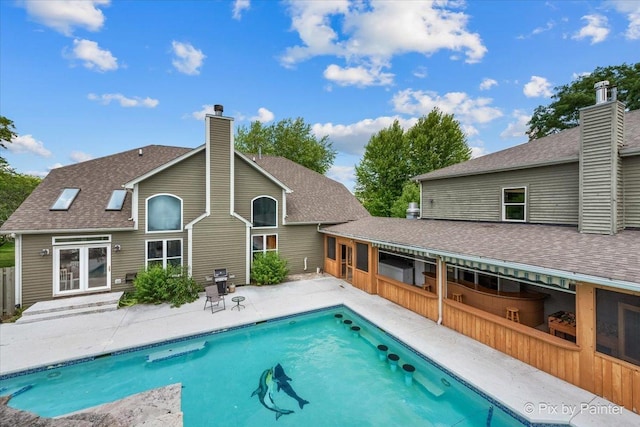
(16, 392)
(67, 307)
(176, 352)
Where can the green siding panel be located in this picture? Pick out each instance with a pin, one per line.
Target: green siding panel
(631, 189)
(552, 193)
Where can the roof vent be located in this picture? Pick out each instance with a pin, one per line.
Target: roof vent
(139, 151)
(218, 109)
(413, 211)
(602, 94)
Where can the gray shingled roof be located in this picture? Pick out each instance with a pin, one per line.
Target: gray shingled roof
(96, 180)
(315, 198)
(562, 147)
(614, 257)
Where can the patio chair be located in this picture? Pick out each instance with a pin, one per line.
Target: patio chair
(213, 296)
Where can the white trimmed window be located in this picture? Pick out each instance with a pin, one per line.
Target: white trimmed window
(164, 213)
(164, 252)
(514, 204)
(264, 243)
(264, 212)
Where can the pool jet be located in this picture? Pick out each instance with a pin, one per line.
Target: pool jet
(283, 383)
(265, 393)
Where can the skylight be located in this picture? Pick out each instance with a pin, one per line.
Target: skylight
(65, 199)
(117, 200)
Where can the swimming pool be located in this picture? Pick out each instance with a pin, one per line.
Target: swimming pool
(229, 376)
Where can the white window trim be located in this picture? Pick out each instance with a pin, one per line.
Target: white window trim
(264, 243)
(270, 226)
(79, 239)
(146, 214)
(504, 205)
(164, 251)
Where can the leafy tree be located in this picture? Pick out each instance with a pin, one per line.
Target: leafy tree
(14, 188)
(410, 193)
(383, 170)
(564, 111)
(7, 133)
(288, 138)
(392, 157)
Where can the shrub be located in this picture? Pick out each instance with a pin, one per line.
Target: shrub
(157, 285)
(268, 269)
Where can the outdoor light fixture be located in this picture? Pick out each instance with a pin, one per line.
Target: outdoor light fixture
(44, 252)
(117, 248)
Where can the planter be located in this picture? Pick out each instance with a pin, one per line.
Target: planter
(232, 288)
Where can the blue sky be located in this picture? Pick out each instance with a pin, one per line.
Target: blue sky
(91, 78)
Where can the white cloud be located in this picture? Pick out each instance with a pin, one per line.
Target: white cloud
(93, 57)
(352, 138)
(264, 116)
(187, 59)
(239, 6)
(547, 27)
(537, 87)
(488, 84)
(27, 144)
(631, 8)
(64, 15)
(468, 111)
(124, 101)
(369, 34)
(597, 29)
(357, 76)
(206, 109)
(346, 175)
(79, 156)
(517, 128)
(575, 76)
(477, 150)
(420, 72)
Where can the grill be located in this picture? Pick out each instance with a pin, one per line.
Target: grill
(220, 277)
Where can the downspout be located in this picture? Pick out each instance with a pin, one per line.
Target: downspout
(18, 271)
(442, 275)
(247, 266)
(189, 228)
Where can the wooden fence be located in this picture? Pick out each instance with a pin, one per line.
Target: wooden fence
(7, 291)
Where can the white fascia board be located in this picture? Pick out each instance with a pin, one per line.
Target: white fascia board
(159, 169)
(264, 172)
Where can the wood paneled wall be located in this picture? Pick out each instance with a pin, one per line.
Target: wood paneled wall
(553, 355)
(411, 297)
(617, 381)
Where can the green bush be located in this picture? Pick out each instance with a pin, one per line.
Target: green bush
(157, 285)
(268, 269)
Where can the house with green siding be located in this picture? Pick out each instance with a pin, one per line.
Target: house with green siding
(90, 227)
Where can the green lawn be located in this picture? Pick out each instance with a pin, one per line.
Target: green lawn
(6, 255)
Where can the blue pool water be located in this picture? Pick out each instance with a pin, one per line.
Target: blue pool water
(340, 372)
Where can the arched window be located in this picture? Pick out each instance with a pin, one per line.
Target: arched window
(164, 213)
(264, 212)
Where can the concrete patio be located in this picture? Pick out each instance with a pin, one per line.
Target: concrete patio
(537, 396)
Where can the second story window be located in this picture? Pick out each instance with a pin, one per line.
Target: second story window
(264, 212)
(514, 204)
(164, 213)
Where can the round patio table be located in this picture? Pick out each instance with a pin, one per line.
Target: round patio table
(237, 300)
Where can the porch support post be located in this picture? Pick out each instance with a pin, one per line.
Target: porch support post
(585, 333)
(441, 277)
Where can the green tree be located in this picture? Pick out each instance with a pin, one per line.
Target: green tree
(288, 138)
(392, 157)
(564, 111)
(410, 193)
(383, 170)
(7, 133)
(14, 188)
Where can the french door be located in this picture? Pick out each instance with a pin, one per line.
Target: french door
(81, 268)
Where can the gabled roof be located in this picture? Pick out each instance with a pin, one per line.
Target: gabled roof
(314, 198)
(96, 180)
(560, 248)
(562, 147)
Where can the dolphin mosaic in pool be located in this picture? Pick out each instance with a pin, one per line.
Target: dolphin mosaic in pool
(283, 384)
(265, 393)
